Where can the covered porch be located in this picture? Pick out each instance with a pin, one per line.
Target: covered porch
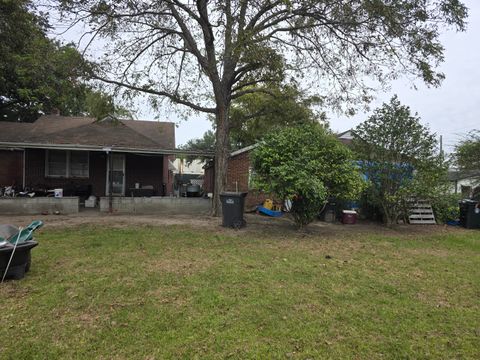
(61, 164)
(103, 172)
(120, 180)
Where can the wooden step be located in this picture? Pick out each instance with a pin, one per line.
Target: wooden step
(421, 213)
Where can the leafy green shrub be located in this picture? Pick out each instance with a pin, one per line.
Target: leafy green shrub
(446, 207)
(305, 164)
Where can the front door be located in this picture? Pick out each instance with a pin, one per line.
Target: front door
(116, 171)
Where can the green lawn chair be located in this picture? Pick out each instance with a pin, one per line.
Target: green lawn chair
(12, 234)
(15, 246)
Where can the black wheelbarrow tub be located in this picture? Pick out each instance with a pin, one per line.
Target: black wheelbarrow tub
(21, 260)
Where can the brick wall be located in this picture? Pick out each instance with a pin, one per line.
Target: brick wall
(209, 178)
(11, 168)
(238, 174)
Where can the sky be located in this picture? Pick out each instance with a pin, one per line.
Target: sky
(451, 110)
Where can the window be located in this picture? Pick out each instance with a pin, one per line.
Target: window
(63, 163)
(78, 164)
(57, 163)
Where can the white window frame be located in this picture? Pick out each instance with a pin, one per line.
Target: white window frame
(67, 176)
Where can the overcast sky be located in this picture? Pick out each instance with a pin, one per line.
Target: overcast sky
(451, 110)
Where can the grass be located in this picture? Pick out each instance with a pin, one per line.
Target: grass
(179, 292)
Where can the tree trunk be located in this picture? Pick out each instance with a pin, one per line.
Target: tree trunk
(387, 216)
(221, 156)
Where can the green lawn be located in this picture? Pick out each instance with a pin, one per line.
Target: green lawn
(181, 292)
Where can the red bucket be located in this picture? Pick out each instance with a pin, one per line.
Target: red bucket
(349, 216)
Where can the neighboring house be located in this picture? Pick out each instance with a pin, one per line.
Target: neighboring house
(239, 177)
(465, 183)
(239, 172)
(239, 168)
(346, 137)
(193, 168)
(77, 154)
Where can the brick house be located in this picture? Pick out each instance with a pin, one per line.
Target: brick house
(79, 154)
(239, 173)
(238, 177)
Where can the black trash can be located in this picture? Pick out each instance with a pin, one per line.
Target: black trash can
(20, 263)
(329, 212)
(233, 204)
(470, 214)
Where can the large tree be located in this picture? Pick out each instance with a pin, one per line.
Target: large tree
(400, 158)
(204, 54)
(100, 104)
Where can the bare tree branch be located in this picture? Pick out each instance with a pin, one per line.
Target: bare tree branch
(145, 89)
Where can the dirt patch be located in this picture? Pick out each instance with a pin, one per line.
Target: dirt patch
(89, 320)
(438, 300)
(256, 224)
(11, 289)
(177, 266)
(111, 220)
(168, 295)
(441, 253)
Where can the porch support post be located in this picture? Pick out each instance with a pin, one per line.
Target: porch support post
(165, 179)
(110, 183)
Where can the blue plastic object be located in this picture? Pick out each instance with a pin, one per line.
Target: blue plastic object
(453, 223)
(269, 212)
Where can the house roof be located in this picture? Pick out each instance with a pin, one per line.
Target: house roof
(346, 137)
(454, 175)
(87, 132)
(243, 150)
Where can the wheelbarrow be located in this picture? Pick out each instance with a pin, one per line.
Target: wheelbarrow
(15, 246)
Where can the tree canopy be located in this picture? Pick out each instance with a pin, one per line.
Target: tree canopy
(305, 164)
(467, 153)
(37, 74)
(400, 158)
(204, 54)
(99, 104)
(254, 115)
(205, 143)
(40, 75)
